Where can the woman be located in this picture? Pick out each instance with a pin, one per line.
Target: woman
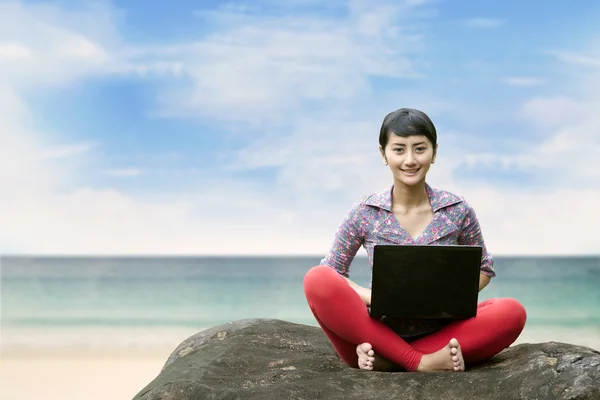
(411, 212)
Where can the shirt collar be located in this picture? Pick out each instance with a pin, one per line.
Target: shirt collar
(438, 198)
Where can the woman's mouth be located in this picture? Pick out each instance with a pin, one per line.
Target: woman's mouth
(410, 172)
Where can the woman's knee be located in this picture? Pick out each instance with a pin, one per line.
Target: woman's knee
(515, 313)
(317, 274)
(317, 281)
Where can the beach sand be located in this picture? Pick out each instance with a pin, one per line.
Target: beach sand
(71, 374)
(588, 337)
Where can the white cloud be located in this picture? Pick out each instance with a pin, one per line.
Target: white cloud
(77, 47)
(126, 172)
(14, 51)
(486, 23)
(43, 44)
(69, 150)
(255, 67)
(544, 222)
(550, 112)
(524, 81)
(152, 69)
(91, 221)
(22, 169)
(582, 60)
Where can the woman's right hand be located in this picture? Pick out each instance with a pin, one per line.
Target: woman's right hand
(363, 292)
(365, 295)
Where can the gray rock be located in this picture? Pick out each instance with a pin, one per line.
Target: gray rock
(272, 359)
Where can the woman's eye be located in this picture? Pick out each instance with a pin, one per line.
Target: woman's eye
(420, 149)
(397, 150)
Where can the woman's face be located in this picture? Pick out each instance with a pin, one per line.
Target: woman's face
(409, 158)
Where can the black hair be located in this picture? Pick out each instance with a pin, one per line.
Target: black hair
(407, 122)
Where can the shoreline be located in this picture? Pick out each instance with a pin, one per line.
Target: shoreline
(120, 340)
(83, 353)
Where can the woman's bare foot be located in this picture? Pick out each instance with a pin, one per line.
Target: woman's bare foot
(369, 361)
(448, 358)
(366, 356)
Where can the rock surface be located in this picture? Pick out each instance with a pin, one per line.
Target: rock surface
(273, 359)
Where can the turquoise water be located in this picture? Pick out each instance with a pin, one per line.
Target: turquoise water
(58, 299)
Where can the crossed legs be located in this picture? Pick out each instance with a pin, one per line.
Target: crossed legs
(345, 320)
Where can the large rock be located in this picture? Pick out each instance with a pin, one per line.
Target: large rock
(272, 359)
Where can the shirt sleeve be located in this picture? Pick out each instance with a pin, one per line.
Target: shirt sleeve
(471, 235)
(347, 241)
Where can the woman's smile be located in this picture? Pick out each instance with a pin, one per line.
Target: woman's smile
(410, 172)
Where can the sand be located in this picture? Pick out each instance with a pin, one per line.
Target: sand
(71, 374)
(588, 337)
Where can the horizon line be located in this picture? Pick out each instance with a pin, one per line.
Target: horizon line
(262, 255)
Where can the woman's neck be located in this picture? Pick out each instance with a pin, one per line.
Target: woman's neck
(408, 197)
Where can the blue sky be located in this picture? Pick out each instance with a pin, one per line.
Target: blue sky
(135, 127)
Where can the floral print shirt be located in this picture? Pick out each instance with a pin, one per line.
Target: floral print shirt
(371, 222)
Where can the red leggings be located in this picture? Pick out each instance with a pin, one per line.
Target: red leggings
(344, 318)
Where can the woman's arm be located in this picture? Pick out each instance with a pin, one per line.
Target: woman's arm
(471, 235)
(348, 239)
(363, 292)
(484, 280)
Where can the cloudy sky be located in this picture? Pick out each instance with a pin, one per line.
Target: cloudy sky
(250, 127)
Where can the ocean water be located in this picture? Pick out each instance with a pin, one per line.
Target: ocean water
(105, 302)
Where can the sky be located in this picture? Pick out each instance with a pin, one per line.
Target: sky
(251, 127)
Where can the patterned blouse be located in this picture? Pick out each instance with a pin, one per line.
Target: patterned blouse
(371, 221)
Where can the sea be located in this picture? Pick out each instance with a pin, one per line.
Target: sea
(147, 302)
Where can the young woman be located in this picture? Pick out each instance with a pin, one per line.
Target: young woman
(410, 212)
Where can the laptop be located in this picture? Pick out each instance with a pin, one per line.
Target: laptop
(420, 281)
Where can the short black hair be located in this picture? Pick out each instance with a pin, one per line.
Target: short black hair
(406, 122)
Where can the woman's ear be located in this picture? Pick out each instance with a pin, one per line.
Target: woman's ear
(434, 154)
(383, 154)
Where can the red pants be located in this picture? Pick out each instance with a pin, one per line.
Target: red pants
(344, 318)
